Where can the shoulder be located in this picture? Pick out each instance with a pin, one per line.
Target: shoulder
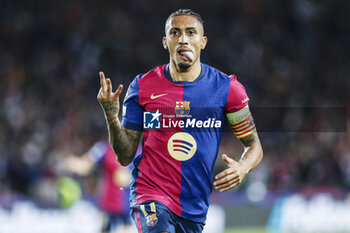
(148, 80)
(144, 77)
(218, 74)
(237, 96)
(153, 73)
(235, 84)
(215, 73)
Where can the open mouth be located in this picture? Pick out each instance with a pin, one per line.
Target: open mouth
(186, 54)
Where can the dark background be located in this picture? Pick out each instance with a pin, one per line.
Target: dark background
(286, 53)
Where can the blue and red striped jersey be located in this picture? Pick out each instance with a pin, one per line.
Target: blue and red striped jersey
(182, 124)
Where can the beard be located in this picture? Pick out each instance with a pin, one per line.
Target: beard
(183, 66)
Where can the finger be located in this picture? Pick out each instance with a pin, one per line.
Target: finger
(99, 95)
(227, 159)
(225, 179)
(227, 184)
(118, 92)
(230, 187)
(102, 81)
(109, 85)
(223, 174)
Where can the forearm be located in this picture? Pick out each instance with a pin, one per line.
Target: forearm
(120, 142)
(79, 165)
(252, 154)
(123, 141)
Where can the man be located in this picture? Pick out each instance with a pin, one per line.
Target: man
(180, 107)
(113, 199)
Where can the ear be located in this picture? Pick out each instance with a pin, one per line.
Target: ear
(164, 43)
(204, 42)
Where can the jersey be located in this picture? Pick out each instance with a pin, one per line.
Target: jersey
(182, 124)
(113, 198)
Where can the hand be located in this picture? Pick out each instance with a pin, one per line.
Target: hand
(108, 99)
(78, 165)
(230, 177)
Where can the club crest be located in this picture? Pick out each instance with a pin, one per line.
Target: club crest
(182, 108)
(152, 220)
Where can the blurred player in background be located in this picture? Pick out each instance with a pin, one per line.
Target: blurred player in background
(181, 108)
(113, 185)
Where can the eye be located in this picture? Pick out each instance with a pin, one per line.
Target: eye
(174, 33)
(191, 32)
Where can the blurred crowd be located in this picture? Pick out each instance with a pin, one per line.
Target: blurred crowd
(286, 54)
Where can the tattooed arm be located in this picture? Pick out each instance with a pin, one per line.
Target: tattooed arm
(234, 174)
(123, 141)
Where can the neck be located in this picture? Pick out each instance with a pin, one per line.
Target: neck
(188, 75)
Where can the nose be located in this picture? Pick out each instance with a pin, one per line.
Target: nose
(183, 39)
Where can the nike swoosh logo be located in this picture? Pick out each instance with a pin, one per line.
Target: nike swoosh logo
(157, 96)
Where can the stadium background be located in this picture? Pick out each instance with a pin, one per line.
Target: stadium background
(286, 53)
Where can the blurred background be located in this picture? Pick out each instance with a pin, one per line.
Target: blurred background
(288, 54)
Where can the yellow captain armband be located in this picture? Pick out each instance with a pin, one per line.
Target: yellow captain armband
(241, 122)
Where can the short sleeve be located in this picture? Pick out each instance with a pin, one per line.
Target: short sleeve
(132, 110)
(237, 96)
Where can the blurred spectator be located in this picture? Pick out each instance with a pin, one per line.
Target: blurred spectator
(113, 199)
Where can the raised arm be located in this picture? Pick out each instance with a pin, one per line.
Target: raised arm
(123, 141)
